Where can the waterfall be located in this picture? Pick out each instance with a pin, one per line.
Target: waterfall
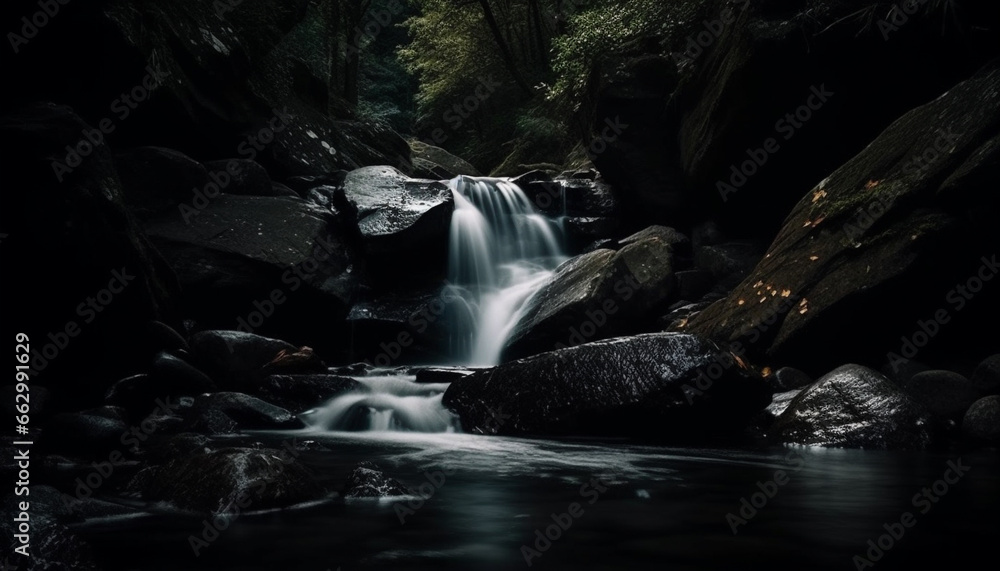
(501, 252)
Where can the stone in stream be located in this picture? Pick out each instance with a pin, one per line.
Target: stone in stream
(368, 481)
(297, 393)
(854, 407)
(238, 360)
(666, 387)
(224, 413)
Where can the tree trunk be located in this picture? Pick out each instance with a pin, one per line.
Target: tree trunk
(505, 53)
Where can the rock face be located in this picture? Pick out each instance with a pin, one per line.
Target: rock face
(437, 161)
(279, 265)
(693, 116)
(403, 223)
(599, 295)
(231, 480)
(70, 225)
(854, 407)
(884, 237)
(666, 387)
(300, 392)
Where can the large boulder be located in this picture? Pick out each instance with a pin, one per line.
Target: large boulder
(986, 377)
(943, 393)
(854, 407)
(279, 266)
(300, 392)
(667, 387)
(402, 223)
(982, 421)
(229, 412)
(600, 295)
(231, 480)
(437, 161)
(895, 237)
(237, 360)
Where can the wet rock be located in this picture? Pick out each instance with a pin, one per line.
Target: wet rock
(225, 413)
(943, 393)
(368, 481)
(53, 546)
(982, 421)
(599, 295)
(682, 389)
(436, 375)
(437, 159)
(245, 177)
(237, 360)
(854, 407)
(86, 434)
(157, 180)
(231, 480)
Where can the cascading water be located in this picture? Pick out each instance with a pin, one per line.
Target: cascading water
(502, 251)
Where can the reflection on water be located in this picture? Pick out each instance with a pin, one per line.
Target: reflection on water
(664, 508)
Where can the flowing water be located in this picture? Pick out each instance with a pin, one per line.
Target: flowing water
(496, 503)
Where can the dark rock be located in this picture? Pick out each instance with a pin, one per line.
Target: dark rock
(438, 375)
(730, 261)
(300, 392)
(53, 546)
(986, 378)
(678, 317)
(157, 180)
(368, 481)
(943, 393)
(615, 292)
(882, 238)
(167, 338)
(79, 224)
(780, 402)
(232, 479)
(403, 223)
(788, 379)
(355, 369)
(174, 446)
(280, 190)
(854, 407)
(982, 421)
(425, 169)
(277, 265)
(303, 184)
(442, 159)
(901, 371)
(224, 413)
(87, 434)
(603, 389)
(246, 177)
(237, 360)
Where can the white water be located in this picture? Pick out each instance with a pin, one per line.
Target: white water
(385, 403)
(502, 251)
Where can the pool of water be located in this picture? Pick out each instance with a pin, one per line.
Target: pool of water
(636, 507)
